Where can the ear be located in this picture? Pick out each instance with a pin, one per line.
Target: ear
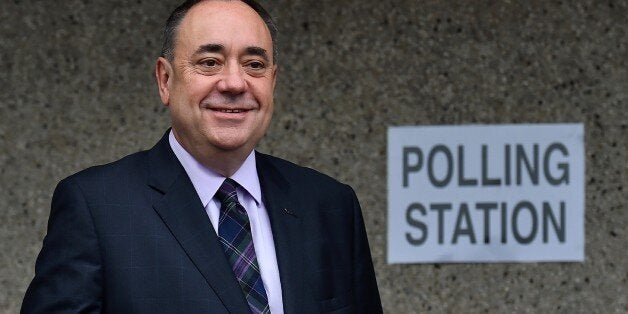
(163, 74)
(274, 75)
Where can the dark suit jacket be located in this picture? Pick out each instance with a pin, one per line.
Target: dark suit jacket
(133, 237)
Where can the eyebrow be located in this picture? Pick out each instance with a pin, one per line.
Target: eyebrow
(257, 51)
(217, 48)
(209, 48)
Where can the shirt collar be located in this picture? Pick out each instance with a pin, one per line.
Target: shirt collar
(206, 181)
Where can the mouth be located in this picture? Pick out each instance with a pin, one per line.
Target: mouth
(230, 110)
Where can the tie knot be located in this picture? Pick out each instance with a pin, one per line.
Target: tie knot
(227, 191)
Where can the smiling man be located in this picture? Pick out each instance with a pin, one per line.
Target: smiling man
(219, 83)
(202, 223)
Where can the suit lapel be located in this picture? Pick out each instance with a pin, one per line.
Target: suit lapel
(286, 227)
(182, 212)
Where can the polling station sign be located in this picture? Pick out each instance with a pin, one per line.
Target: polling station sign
(486, 193)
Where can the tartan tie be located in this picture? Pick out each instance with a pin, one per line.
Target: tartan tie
(234, 231)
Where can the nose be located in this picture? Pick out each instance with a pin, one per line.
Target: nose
(233, 80)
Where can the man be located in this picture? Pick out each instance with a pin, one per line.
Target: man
(201, 223)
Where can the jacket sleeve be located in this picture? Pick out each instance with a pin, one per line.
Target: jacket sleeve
(366, 294)
(68, 270)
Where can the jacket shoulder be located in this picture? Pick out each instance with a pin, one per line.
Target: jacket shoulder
(124, 167)
(108, 181)
(297, 175)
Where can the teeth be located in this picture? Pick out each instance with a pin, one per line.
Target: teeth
(231, 110)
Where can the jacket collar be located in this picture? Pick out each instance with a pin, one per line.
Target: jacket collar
(181, 210)
(282, 206)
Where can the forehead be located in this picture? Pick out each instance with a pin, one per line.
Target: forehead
(223, 22)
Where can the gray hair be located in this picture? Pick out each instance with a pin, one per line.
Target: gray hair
(170, 30)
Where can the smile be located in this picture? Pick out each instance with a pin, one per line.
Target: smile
(230, 110)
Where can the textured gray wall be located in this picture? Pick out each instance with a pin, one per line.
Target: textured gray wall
(77, 89)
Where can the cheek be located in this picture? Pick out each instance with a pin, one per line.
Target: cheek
(267, 117)
(265, 94)
(192, 93)
(193, 87)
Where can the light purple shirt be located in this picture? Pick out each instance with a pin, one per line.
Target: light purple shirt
(206, 182)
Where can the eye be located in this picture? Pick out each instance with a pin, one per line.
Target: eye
(256, 65)
(210, 63)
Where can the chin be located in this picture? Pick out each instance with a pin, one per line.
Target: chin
(228, 145)
(231, 139)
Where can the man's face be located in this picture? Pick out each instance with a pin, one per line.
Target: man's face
(219, 87)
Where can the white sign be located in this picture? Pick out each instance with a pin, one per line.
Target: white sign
(486, 193)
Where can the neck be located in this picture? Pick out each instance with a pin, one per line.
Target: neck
(223, 162)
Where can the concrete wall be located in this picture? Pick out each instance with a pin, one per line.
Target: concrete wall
(77, 89)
